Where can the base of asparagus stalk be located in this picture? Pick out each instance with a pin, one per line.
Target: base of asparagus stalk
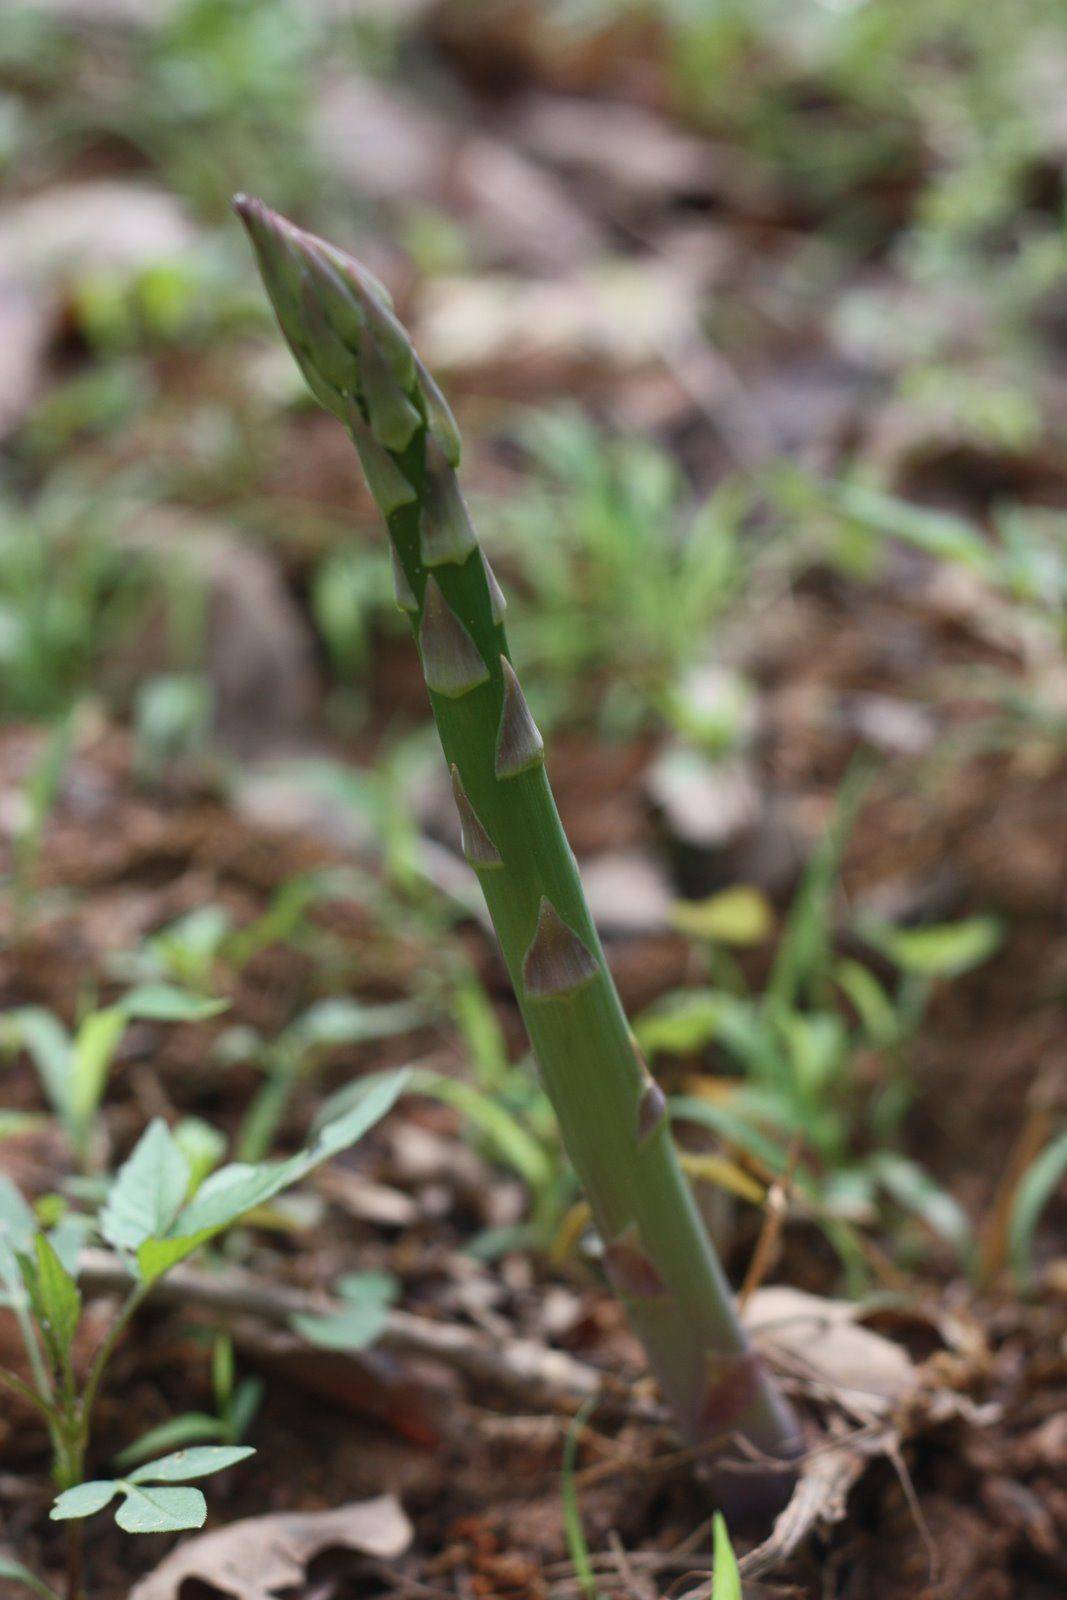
(359, 363)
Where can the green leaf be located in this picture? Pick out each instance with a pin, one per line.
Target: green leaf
(202, 1145)
(737, 916)
(54, 1295)
(340, 1021)
(148, 1191)
(681, 1023)
(18, 1226)
(84, 1500)
(234, 1190)
(69, 1237)
(192, 1427)
(15, 1572)
(917, 1192)
(1035, 1189)
(160, 1510)
(736, 1129)
(943, 951)
(93, 1051)
(198, 1462)
(369, 1296)
(726, 1582)
(48, 1043)
(17, 1221)
(157, 1256)
(163, 1002)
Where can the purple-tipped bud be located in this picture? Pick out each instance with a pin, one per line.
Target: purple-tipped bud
(402, 590)
(497, 604)
(447, 533)
(630, 1267)
(557, 963)
(519, 745)
(451, 664)
(651, 1110)
(478, 847)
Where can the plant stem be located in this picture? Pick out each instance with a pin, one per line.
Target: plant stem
(75, 1558)
(24, 1391)
(359, 363)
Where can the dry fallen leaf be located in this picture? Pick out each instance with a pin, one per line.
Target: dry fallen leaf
(822, 1341)
(255, 1558)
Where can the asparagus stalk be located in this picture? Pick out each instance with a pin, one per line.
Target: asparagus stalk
(359, 362)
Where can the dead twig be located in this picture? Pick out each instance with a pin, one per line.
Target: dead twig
(520, 1368)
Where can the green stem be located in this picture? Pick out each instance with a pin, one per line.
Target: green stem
(359, 363)
(105, 1351)
(24, 1392)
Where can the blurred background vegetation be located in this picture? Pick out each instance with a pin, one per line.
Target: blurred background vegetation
(753, 313)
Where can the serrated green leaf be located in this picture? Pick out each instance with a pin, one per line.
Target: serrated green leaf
(202, 1145)
(726, 1582)
(84, 1500)
(157, 1256)
(160, 1510)
(54, 1295)
(236, 1189)
(68, 1238)
(197, 1462)
(164, 1002)
(230, 1193)
(15, 1572)
(148, 1190)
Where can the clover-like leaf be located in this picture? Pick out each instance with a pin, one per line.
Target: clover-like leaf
(198, 1462)
(161, 1510)
(84, 1500)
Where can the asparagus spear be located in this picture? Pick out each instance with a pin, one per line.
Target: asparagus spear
(359, 362)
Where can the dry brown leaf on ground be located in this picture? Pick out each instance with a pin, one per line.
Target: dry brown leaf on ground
(256, 1558)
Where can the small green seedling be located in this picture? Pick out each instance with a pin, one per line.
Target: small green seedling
(366, 1298)
(292, 1059)
(603, 532)
(726, 1579)
(154, 1218)
(74, 1068)
(798, 1046)
(1037, 1186)
(40, 796)
(236, 1404)
(148, 1502)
